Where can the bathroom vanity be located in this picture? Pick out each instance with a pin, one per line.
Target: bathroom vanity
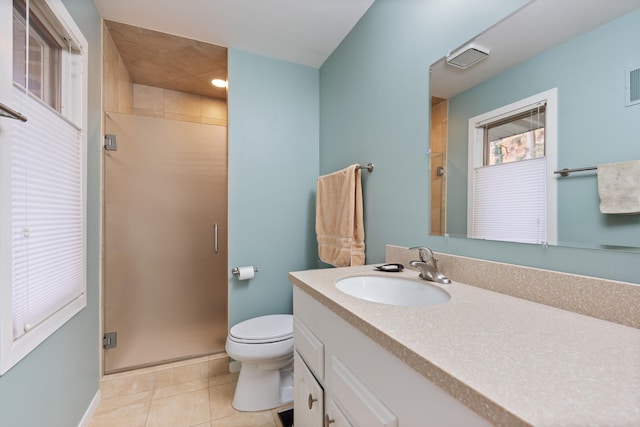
(359, 380)
(482, 358)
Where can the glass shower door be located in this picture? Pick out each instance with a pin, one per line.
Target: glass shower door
(165, 241)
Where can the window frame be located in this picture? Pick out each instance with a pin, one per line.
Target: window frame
(74, 104)
(476, 152)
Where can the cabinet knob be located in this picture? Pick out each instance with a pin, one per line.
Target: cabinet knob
(311, 400)
(327, 420)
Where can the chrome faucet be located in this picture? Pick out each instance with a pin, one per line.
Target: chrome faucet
(428, 266)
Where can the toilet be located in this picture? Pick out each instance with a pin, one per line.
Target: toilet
(264, 346)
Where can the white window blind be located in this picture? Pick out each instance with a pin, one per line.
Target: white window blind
(47, 229)
(510, 202)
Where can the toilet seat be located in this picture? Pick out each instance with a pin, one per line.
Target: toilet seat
(263, 329)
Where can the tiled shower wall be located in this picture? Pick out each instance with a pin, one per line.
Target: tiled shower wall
(117, 86)
(121, 95)
(171, 104)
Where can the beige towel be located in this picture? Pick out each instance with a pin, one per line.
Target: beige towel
(339, 224)
(619, 187)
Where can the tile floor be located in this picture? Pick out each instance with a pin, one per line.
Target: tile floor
(187, 394)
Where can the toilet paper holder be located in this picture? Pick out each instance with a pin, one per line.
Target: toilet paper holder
(236, 270)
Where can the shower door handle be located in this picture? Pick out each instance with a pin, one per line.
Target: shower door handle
(215, 237)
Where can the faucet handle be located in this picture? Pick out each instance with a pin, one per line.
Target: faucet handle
(422, 251)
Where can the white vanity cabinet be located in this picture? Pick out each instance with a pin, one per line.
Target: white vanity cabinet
(335, 417)
(364, 385)
(343, 394)
(308, 359)
(308, 406)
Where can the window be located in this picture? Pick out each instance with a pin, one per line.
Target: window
(42, 282)
(512, 155)
(43, 78)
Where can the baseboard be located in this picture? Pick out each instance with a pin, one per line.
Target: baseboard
(91, 410)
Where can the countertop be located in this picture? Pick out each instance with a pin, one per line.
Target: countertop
(513, 361)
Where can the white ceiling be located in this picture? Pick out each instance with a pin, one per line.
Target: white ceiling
(301, 31)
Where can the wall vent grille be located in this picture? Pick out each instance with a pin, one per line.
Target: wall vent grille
(632, 89)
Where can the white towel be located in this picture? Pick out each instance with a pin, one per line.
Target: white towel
(619, 187)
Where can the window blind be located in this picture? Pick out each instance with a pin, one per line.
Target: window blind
(518, 123)
(509, 202)
(46, 214)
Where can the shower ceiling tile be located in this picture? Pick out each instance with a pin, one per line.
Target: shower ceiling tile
(170, 62)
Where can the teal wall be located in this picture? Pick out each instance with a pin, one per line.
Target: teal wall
(594, 127)
(374, 96)
(55, 383)
(374, 103)
(273, 166)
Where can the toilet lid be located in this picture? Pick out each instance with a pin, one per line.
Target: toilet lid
(275, 327)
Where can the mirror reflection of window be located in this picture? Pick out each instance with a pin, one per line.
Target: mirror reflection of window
(514, 138)
(511, 197)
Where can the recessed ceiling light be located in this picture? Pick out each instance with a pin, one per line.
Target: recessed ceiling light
(219, 83)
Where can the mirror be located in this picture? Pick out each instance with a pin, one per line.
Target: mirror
(587, 54)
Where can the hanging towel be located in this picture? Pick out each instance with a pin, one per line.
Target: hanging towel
(339, 224)
(619, 187)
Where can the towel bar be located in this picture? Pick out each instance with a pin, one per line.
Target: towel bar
(5, 111)
(369, 167)
(566, 172)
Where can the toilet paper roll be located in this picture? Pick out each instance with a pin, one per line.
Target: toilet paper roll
(246, 272)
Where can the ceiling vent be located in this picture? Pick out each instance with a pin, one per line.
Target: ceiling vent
(467, 55)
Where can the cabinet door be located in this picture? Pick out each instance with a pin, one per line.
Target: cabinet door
(308, 406)
(334, 416)
(310, 348)
(361, 406)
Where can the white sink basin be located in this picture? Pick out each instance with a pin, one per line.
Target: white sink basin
(393, 290)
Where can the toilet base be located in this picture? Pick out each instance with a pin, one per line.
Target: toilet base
(259, 389)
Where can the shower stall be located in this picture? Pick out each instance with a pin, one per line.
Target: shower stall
(165, 245)
(164, 240)
(164, 251)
